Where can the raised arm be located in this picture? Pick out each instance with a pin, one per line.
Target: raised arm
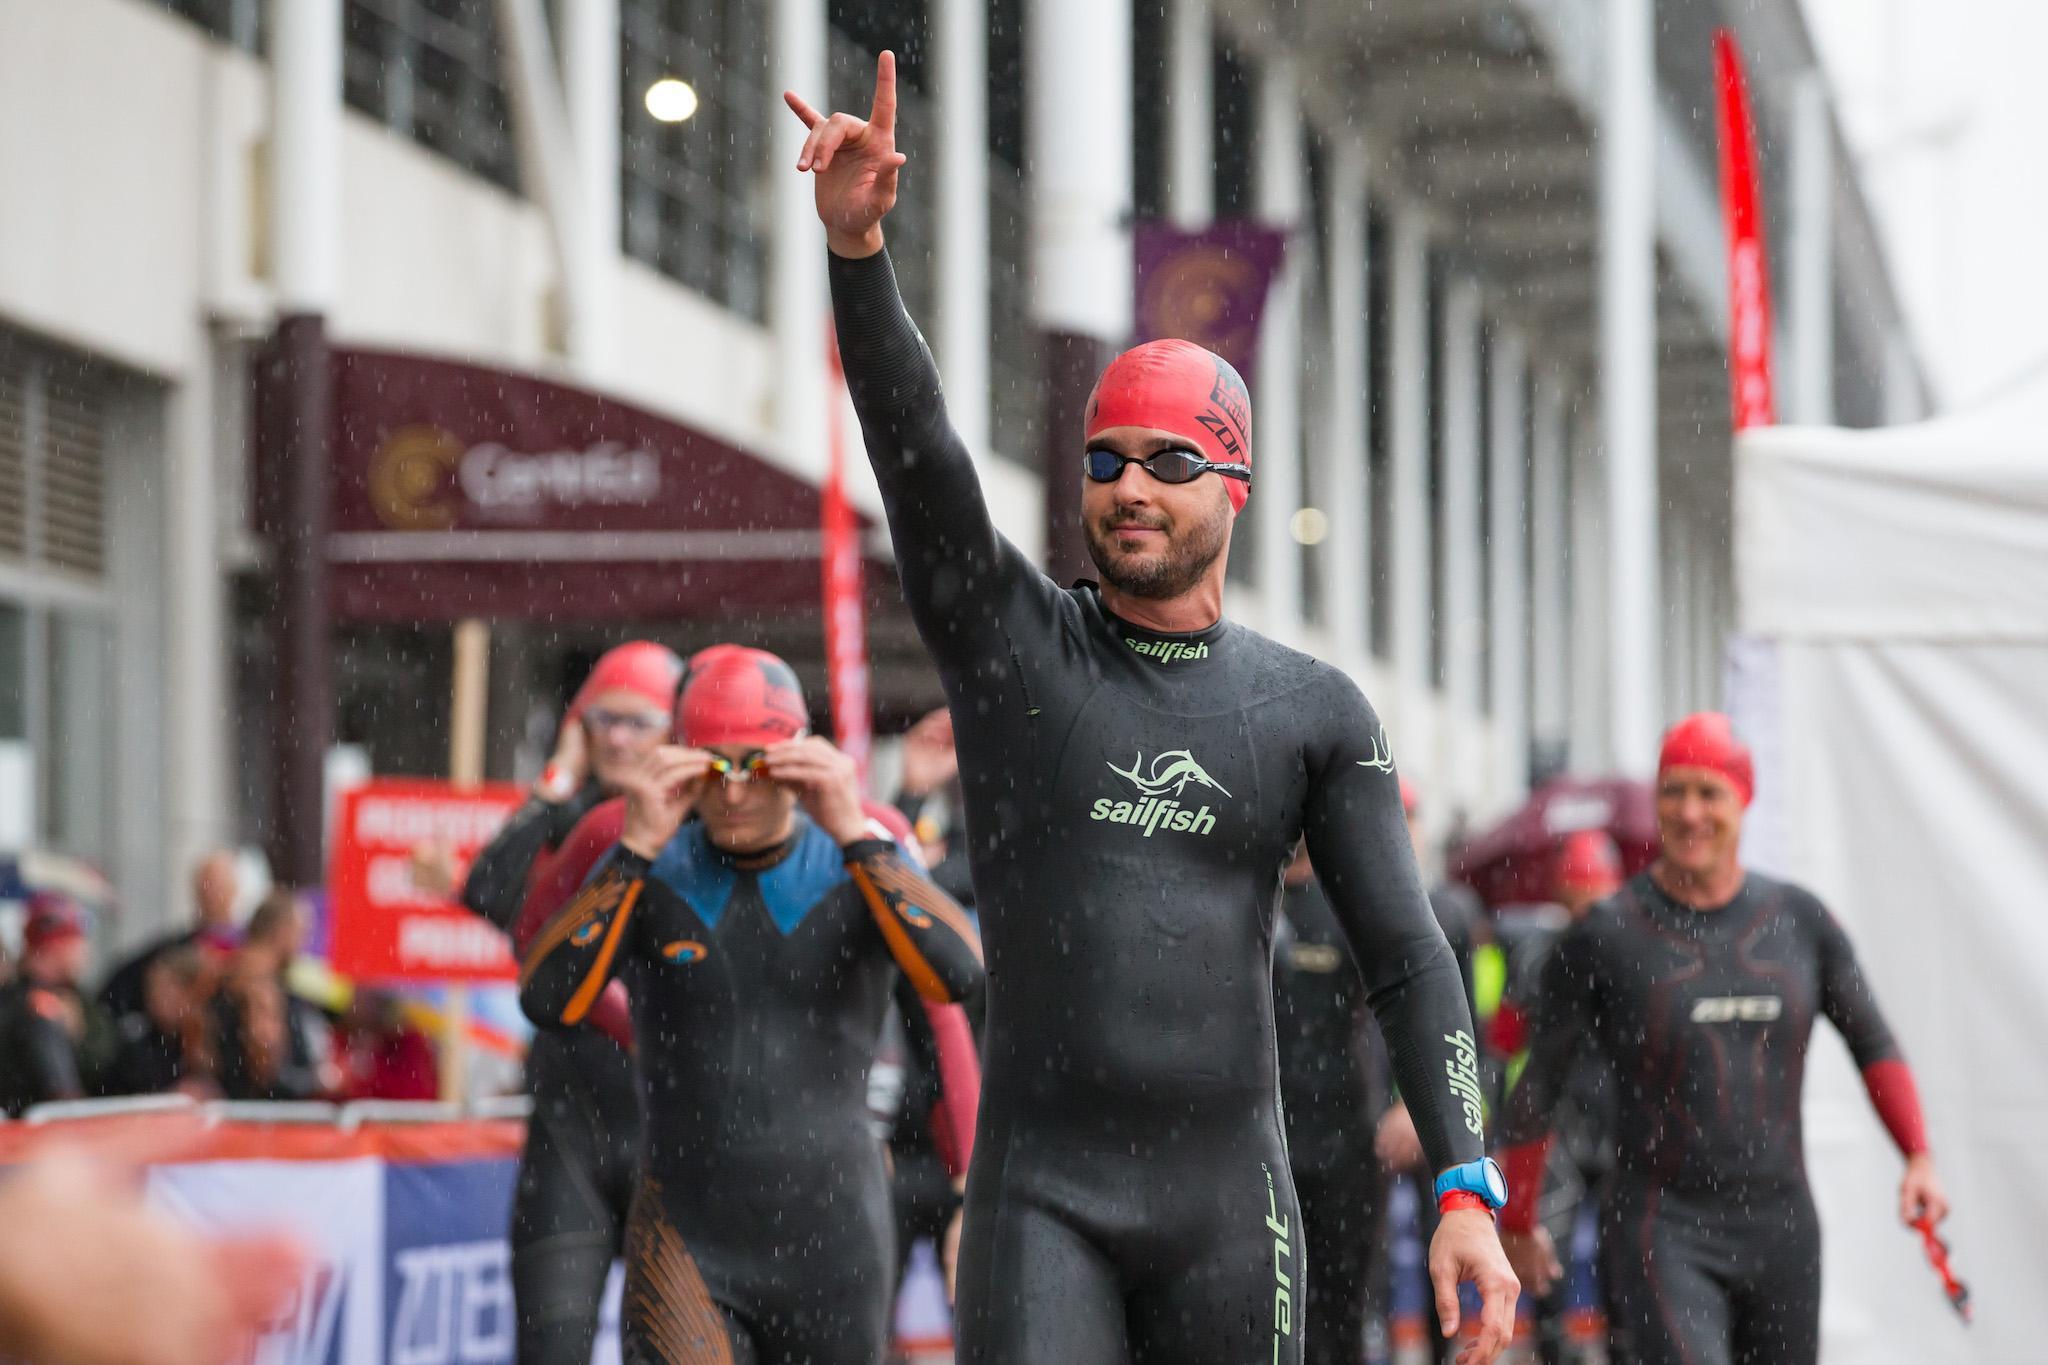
(957, 572)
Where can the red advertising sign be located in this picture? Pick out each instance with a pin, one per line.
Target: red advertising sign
(386, 928)
(846, 622)
(1749, 283)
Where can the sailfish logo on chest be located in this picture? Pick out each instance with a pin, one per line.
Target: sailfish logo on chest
(1170, 775)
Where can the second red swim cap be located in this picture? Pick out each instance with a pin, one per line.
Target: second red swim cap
(641, 667)
(740, 696)
(1705, 739)
(1180, 387)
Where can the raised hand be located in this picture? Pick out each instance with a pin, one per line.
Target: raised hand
(825, 782)
(660, 794)
(855, 161)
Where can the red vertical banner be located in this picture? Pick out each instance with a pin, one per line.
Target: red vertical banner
(1749, 284)
(846, 626)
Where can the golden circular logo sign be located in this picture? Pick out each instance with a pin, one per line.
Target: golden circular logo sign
(409, 479)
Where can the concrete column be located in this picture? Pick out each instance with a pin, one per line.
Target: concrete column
(590, 88)
(1549, 560)
(1080, 155)
(1459, 394)
(960, 47)
(1347, 552)
(1811, 297)
(1408, 454)
(1628, 363)
(1592, 733)
(305, 156)
(1191, 121)
(1281, 188)
(800, 305)
(1507, 595)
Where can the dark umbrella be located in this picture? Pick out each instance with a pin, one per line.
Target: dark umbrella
(1511, 863)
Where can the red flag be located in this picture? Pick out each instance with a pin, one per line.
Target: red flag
(846, 629)
(1749, 286)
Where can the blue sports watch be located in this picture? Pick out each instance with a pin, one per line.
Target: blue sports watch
(1482, 1177)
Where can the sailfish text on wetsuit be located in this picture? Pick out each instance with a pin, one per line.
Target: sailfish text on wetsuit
(1463, 1067)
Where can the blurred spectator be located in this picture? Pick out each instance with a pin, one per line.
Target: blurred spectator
(52, 1039)
(269, 1045)
(929, 797)
(381, 1056)
(167, 1045)
(214, 887)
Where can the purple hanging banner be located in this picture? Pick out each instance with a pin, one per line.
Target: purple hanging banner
(1208, 286)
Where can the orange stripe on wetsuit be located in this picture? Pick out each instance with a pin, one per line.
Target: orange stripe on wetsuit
(895, 896)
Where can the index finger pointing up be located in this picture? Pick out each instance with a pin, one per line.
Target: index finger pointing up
(811, 117)
(883, 115)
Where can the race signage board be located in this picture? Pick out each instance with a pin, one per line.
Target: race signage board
(387, 927)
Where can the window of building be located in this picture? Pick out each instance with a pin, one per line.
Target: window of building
(434, 71)
(240, 22)
(1379, 470)
(698, 204)
(1016, 400)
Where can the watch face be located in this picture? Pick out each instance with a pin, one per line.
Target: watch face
(1496, 1183)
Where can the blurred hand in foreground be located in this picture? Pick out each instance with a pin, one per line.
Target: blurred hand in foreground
(91, 1276)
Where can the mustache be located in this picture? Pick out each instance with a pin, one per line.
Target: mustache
(1116, 521)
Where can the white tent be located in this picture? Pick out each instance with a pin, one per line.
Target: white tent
(1891, 671)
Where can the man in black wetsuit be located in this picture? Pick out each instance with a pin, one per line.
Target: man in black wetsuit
(1136, 772)
(581, 1163)
(758, 943)
(1699, 982)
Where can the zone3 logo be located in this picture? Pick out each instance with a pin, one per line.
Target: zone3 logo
(1159, 789)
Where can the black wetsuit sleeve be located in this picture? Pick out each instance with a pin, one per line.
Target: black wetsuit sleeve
(1358, 840)
(1561, 1021)
(583, 946)
(931, 938)
(960, 576)
(496, 885)
(1846, 998)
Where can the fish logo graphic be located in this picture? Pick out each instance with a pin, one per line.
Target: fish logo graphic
(1382, 756)
(1171, 772)
(684, 951)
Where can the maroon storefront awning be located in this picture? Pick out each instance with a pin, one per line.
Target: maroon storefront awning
(464, 491)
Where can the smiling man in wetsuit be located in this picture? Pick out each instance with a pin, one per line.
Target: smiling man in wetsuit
(1136, 771)
(758, 943)
(1699, 983)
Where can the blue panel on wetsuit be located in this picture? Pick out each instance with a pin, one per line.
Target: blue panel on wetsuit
(791, 889)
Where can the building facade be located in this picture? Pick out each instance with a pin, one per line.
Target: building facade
(1492, 431)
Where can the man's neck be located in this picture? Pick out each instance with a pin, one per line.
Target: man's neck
(764, 855)
(1199, 608)
(1699, 890)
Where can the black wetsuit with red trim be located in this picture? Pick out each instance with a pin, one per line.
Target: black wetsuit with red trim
(762, 1234)
(581, 1161)
(1710, 1247)
(1131, 798)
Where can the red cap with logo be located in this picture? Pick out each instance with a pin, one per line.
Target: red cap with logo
(1706, 740)
(1588, 861)
(641, 667)
(52, 918)
(740, 696)
(1177, 386)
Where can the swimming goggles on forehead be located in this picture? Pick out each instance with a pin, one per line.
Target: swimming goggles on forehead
(1175, 464)
(742, 769)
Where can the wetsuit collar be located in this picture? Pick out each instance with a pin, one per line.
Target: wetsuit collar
(1174, 651)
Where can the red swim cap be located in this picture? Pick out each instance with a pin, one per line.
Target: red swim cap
(1705, 739)
(736, 695)
(1177, 386)
(642, 667)
(52, 918)
(1587, 861)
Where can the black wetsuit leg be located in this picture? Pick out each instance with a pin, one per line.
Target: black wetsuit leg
(1710, 1279)
(576, 1182)
(1086, 1254)
(1343, 1219)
